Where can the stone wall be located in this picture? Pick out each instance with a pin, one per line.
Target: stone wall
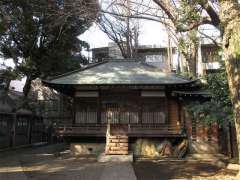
(160, 147)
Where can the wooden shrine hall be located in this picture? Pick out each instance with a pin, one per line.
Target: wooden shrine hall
(124, 98)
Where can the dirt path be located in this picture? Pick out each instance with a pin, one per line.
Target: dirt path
(45, 163)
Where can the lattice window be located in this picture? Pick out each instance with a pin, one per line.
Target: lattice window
(86, 112)
(119, 112)
(154, 111)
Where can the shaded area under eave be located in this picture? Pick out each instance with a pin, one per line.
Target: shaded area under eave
(202, 93)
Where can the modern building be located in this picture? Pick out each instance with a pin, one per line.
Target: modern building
(208, 59)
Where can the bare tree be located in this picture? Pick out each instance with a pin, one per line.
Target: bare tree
(149, 10)
(121, 29)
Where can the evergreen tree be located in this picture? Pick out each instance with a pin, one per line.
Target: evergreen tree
(39, 40)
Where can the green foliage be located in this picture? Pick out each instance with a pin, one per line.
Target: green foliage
(210, 111)
(40, 43)
(218, 87)
(188, 13)
(187, 74)
(219, 109)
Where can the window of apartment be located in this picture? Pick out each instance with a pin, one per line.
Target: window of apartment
(210, 54)
(159, 58)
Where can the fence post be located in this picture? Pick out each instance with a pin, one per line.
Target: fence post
(13, 130)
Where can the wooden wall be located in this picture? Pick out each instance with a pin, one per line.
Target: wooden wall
(127, 108)
(173, 112)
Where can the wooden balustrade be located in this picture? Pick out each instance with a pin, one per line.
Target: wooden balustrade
(132, 130)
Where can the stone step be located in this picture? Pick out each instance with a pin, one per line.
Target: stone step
(115, 158)
(118, 140)
(118, 144)
(118, 148)
(118, 137)
(116, 152)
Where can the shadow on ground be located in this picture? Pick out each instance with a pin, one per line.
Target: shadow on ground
(46, 163)
(182, 169)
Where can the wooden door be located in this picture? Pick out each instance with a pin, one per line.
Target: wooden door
(113, 116)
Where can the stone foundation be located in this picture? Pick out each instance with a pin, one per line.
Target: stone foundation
(203, 147)
(148, 147)
(115, 158)
(87, 148)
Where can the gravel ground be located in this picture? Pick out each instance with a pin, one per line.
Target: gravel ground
(45, 163)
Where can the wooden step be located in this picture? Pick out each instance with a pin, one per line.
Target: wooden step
(117, 145)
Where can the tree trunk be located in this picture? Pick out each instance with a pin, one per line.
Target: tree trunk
(190, 53)
(193, 48)
(8, 82)
(192, 66)
(230, 20)
(27, 86)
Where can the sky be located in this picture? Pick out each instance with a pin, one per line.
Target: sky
(151, 33)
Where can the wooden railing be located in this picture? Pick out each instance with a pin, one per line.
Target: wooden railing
(155, 130)
(132, 130)
(81, 130)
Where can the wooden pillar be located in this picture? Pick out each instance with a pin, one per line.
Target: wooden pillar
(29, 130)
(179, 112)
(140, 109)
(74, 111)
(99, 103)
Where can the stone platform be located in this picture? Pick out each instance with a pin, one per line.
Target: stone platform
(115, 158)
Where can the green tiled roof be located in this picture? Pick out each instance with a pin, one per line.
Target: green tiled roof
(119, 72)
